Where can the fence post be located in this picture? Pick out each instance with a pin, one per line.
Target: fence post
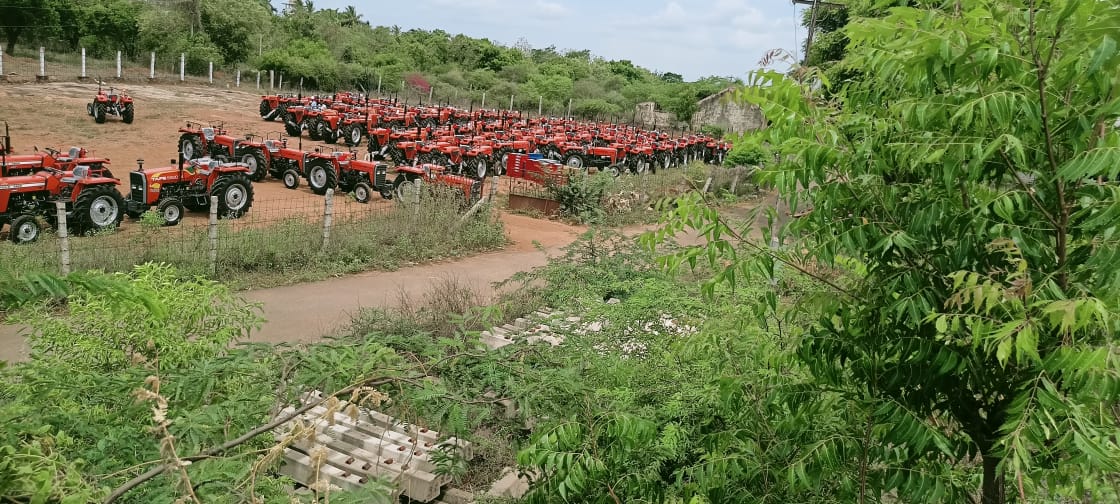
(483, 100)
(735, 182)
(211, 72)
(119, 64)
(281, 81)
(83, 77)
(419, 194)
(63, 237)
(237, 83)
(213, 235)
(328, 217)
(569, 107)
(182, 67)
(152, 68)
(2, 76)
(493, 186)
(42, 63)
(271, 80)
(379, 86)
(258, 79)
(540, 106)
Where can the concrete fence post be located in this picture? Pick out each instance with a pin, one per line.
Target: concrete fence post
(281, 86)
(511, 103)
(152, 68)
(735, 182)
(258, 79)
(211, 72)
(540, 106)
(2, 76)
(379, 86)
(431, 90)
(63, 237)
(271, 80)
(42, 63)
(237, 82)
(182, 67)
(569, 107)
(483, 100)
(494, 184)
(83, 76)
(328, 217)
(213, 235)
(419, 195)
(119, 65)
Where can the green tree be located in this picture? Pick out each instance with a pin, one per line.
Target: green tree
(37, 18)
(960, 206)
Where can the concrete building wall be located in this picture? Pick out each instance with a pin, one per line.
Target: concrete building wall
(720, 110)
(716, 110)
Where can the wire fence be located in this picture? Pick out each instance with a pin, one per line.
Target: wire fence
(40, 64)
(279, 239)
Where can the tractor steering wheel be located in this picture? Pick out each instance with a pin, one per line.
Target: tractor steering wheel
(52, 152)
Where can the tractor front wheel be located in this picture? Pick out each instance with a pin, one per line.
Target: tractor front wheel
(290, 178)
(235, 194)
(127, 113)
(406, 189)
(480, 168)
(321, 176)
(254, 160)
(327, 134)
(265, 109)
(362, 192)
(171, 211)
(99, 113)
(25, 229)
(574, 161)
(190, 146)
(98, 207)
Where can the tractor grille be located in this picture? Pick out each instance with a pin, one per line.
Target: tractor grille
(136, 187)
(379, 171)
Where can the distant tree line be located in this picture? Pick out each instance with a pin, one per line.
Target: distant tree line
(333, 49)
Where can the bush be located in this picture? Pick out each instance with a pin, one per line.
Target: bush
(746, 153)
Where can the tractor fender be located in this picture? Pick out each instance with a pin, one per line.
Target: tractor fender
(82, 184)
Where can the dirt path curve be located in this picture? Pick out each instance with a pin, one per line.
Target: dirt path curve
(308, 311)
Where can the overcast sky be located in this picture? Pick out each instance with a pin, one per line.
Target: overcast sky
(695, 38)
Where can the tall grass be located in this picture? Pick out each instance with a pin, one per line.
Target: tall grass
(283, 252)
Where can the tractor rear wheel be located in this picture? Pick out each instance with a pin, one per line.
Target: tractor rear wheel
(171, 211)
(254, 160)
(265, 109)
(313, 129)
(127, 113)
(190, 146)
(99, 113)
(290, 179)
(326, 133)
(97, 208)
(235, 194)
(362, 192)
(354, 136)
(291, 127)
(321, 176)
(574, 161)
(480, 169)
(25, 229)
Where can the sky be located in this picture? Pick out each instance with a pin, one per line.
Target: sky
(693, 38)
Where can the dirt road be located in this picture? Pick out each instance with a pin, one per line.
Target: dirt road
(309, 311)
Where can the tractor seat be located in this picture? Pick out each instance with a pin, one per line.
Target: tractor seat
(208, 133)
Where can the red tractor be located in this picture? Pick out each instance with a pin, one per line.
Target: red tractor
(198, 141)
(273, 106)
(406, 188)
(92, 202)
(189, 184)
(111, 104)
(347, 173)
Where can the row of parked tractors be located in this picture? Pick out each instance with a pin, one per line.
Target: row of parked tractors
(472, 141)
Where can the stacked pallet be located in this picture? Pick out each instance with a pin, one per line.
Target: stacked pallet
(341, 445)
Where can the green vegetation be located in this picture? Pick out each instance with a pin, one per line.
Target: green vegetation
(263, 254)
(331, 49)
(943, 329)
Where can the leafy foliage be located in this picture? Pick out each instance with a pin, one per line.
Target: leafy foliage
(959, 195)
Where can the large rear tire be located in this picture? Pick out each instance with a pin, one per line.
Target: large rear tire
(25, 229)
(127, 113)
(190, 146)
(354, 135)
(265, 109)
(98, 208)
(327, 134)
(291, 127)
(99, 113)
(253, 159)
(321, 176)
(313, 129)
(235, 194)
